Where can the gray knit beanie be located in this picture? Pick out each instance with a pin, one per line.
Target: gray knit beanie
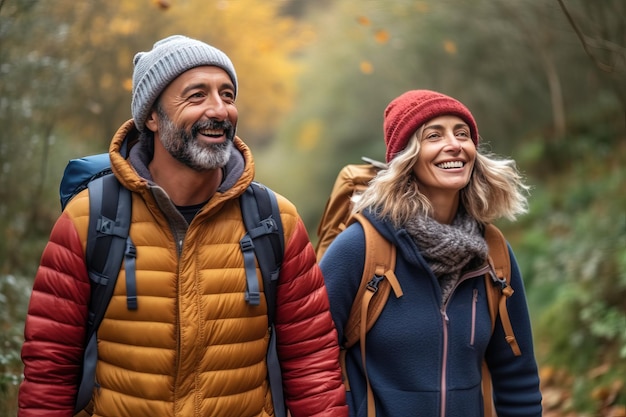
(169, 58)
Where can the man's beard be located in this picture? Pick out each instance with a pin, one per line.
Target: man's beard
(185, 148)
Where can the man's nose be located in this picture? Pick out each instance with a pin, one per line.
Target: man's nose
(215, 108)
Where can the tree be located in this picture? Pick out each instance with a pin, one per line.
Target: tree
(66, 79)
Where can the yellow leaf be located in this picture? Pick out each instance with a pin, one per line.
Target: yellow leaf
(362, 20)
(450, 47)
(366, 67)
(382, 36)
(128, 84)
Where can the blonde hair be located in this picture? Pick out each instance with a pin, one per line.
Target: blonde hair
(495, 190)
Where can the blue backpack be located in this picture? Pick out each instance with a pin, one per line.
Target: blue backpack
(108, 243)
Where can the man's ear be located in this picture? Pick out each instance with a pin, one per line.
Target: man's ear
(152, 120)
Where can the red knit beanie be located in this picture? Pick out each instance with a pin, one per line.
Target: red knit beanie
(406, 113)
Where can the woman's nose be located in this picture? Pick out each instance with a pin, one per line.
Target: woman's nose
(453, 142)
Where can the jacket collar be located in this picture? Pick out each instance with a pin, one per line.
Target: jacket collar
(133, 171)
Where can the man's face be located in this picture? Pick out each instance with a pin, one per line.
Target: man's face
(195, 118)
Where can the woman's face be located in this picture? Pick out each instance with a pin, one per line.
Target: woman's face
(446, 157)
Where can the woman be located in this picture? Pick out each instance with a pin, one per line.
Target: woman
(425, 351)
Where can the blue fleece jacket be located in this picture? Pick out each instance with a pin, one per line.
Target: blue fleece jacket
(424, 358)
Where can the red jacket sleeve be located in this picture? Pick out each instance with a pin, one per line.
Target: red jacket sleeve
(307, 343)
(55, 327)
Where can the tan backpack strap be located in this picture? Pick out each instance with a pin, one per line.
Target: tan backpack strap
(380, 259)
(371, 403)
(501, 262)
(498, 291)
(488, 405)
(377, 281)
(384, 269)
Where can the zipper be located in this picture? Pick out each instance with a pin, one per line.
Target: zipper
(177, 325)
(444, 365)
(445, 319)
(474, 273)
(179, 250)
(473, 325)
(179, 240)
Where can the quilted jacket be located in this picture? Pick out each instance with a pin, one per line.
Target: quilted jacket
(194, 347)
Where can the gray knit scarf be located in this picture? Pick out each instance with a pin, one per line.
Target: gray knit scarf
(449, 249)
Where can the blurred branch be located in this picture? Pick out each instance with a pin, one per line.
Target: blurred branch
(587, 41)
(615, 60)
(541, 42)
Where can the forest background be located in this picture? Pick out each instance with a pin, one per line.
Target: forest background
(546, 81)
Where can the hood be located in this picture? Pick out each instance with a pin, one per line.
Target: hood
(399, 237)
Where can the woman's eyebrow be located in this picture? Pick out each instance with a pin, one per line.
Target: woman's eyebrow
(441, 127)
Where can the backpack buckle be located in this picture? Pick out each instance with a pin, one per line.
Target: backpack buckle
(373, 284)
(246, 244)
(269, 225)
(496, 280)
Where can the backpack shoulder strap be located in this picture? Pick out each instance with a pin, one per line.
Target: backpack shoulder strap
(265, 242)
(377, 281)
(499, 286)
(498, 290)
(108, 244)
(380, 261)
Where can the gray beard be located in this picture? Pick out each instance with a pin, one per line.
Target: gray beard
(200, 157)
(185, 148)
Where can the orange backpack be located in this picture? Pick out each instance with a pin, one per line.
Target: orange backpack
(379, 279)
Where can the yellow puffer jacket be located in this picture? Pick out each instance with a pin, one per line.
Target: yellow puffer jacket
(194, 346)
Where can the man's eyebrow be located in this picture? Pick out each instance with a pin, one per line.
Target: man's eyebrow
(204, 86)
(193, 87)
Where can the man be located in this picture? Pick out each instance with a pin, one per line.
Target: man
(194, 346)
